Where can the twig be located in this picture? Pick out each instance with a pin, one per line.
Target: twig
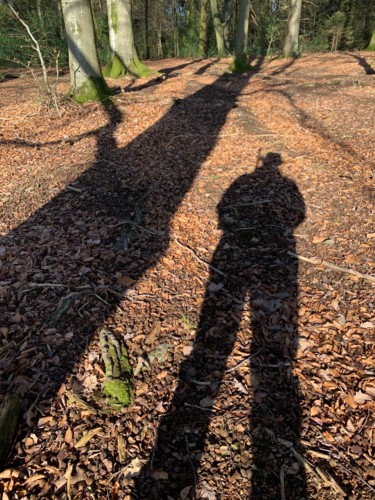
(193, 253)
(358, 476)
(47, 285)
(199, 407)
(35, 45)
(244, 361)
(283, 470)
(76, 190)
(190, 461)
(317, 261)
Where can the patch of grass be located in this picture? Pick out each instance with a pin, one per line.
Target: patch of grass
(188, 322)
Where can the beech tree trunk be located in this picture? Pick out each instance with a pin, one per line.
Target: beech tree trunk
(240, 62)
(291, 39)
(371, 45)
(219, 27)
(203, 29)
(124, 58)
(87, 82)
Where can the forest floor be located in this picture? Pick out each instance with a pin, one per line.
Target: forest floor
(170, 218)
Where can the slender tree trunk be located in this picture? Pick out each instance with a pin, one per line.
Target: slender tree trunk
(87, 82)
(291, 39)
(40, 14)
(240, 62)
(202, 51)
(160, 43)
(175, 31)
(371, 45)
(61, 26)
(218, 26)
(147, 44)
(124, 58)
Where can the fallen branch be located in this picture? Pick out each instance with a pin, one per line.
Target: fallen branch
(325, 263)
(245, 360)
(175, 239)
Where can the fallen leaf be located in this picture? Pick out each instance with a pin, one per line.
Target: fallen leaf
(132, 469)
(207, 492)
(361, 397)
(206, 402)
(68, 438)
(86, 438)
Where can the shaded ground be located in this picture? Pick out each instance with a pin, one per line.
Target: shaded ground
(181, 159)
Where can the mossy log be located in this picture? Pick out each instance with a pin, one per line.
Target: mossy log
(10, 412)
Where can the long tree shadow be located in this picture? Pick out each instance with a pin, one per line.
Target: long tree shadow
(59, 267)
(258, 215)
(362, 61)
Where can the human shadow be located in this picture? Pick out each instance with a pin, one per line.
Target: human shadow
(253, 261)
(60, 267)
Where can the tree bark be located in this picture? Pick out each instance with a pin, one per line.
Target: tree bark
(202, 51)
(291, 39)
(124, 58)
(147, 44)
(218, 26)
(87, 82)
(371, 45)
(240, 62)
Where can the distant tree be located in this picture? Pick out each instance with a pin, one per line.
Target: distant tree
(221, 24)
(371, 45)
(203, 28)
(291, 39)
(240, 62)
(124, 58)
(87, 82)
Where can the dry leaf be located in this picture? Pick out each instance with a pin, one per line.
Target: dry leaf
(121, 448)
(206, 402)
(361, 397)
(132, 469)
(349, 399)
(68, 436)
(86, 438)
(124, 280)
(319, 239)
(161, 375)
(207, 492)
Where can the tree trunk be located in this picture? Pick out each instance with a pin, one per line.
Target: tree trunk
(147, 44)
(371, 45)
(40, 14)
(87, 82)
(124, 58)
(202, 51)
(240, 62)
(291, 39)
(219, 28)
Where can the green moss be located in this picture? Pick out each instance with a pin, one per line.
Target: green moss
(139, 69)
(115, 68)
(114, 16)
(94, 89)
(119, 392)
(118, 386)
(240, 65)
